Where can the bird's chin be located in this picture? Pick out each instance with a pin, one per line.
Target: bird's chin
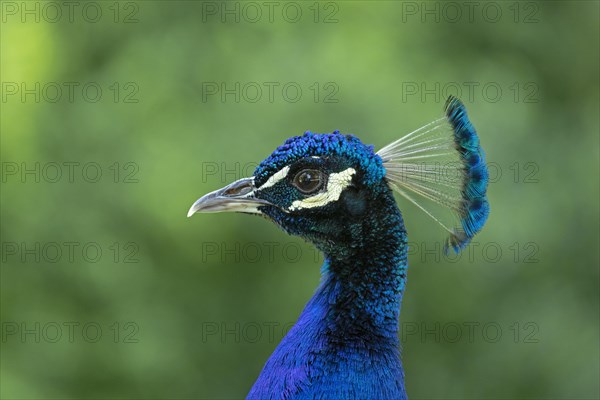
(294, 225)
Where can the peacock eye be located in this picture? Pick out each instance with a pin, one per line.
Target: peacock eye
(309, 180)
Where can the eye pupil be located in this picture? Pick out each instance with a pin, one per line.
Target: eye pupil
(308, 180)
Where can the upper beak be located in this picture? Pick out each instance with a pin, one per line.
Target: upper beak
(236, 197)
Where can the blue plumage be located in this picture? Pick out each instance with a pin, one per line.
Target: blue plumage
(475, 209)
(345, 343)
(336, 192)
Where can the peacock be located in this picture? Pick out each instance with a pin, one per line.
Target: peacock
(337, 193)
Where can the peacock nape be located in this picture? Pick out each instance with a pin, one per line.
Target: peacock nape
(337, 193)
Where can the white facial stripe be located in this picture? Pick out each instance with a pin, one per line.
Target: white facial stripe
(276, 177)
(335, 186)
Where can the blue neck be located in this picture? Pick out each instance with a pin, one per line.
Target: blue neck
(346, 339)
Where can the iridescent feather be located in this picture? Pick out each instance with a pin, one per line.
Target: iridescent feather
(441, 166)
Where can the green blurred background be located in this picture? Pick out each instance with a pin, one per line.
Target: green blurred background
(192, 308)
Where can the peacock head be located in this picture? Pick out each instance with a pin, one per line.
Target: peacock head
(324, 187)
(317, 186)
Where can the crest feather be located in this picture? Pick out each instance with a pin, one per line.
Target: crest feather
(441, 166)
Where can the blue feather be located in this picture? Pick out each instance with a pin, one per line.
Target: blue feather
(475, 208)
(442, 164)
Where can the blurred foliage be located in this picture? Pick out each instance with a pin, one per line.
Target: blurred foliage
(540, 133)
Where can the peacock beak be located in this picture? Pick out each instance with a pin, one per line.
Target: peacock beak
(239, 196)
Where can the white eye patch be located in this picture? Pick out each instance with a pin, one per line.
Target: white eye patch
(276, 177)
(337, 182)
